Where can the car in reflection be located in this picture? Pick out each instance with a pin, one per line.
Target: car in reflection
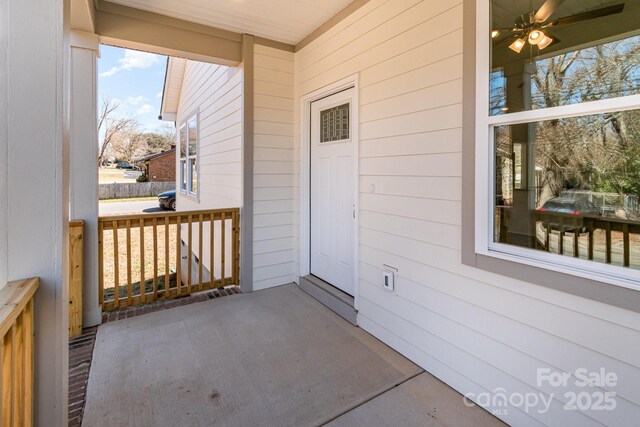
(567, 206)
(167, 200)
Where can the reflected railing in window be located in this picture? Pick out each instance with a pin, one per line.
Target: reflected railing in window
(570, 186)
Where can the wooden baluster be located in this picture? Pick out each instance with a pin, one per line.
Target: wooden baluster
(27, 358)
(211, 243)
(200, 260)
(8, 370)
(561, 240)
(100, 263)
(223, 250)
(590, 249)
(576, 241)
(189, 253)
(608, 244)
(19, 388)
(235, 261)
(625, 244)
(116, 270)
(155, 258)
(167, 261)
(547, 239)
(129, 285)
(3, 388)
(142, 275)
(179, 254)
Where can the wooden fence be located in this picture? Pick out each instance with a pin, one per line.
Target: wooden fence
(16, 352)
(152, 245)
(124, 190)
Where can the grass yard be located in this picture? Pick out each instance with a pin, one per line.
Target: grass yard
(132, 199)
(109, 250)
(109, 175)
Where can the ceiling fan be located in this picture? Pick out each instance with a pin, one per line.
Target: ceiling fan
(533, 26)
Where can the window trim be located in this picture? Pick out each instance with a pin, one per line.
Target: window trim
(181, 170)
(593, 282)
(188, 157)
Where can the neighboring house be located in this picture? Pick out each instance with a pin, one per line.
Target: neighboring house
(363, 152)
(160, 167)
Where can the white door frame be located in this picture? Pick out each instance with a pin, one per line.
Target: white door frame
(305, 174)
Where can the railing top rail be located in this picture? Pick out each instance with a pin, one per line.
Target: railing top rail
(110, 218)
(14, 296)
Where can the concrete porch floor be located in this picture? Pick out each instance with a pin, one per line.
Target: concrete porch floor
(274, 357)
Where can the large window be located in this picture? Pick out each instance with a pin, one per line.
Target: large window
(558, 150)
(189, 156)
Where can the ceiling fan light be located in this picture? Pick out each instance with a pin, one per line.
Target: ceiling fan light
(545, 42)
(494, 34)
(536, 36)
(517, 45)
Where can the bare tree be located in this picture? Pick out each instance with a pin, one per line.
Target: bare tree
(111, 124)
(129, 143)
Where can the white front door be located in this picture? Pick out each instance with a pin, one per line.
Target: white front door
(332, 190)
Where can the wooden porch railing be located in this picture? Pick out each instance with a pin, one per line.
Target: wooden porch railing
(606, 239)
(576, 226)
(141, 257)
(16, 352)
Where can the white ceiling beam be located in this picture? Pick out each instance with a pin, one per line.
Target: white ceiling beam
(132, 28)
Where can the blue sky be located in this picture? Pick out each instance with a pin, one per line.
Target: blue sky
(135, 79)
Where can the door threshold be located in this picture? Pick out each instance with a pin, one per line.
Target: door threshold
(333, 298)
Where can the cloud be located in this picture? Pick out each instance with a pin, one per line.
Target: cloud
(135, 100)
(146, 108)
(132, 59)
(159, 94)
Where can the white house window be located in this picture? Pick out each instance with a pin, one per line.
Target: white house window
(183, 158)
(558, 150)
(189, 156)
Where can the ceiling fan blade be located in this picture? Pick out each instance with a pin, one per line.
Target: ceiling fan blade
(546, 10)
(592, 14)
(508, 30)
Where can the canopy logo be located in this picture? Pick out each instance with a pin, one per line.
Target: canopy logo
(581, 389)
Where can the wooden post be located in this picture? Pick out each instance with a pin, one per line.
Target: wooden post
(76, 232)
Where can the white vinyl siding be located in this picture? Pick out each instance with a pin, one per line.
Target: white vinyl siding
(216, 93)
(273, 227)
(475, 330)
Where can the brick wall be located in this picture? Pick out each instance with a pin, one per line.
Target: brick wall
(162, 169)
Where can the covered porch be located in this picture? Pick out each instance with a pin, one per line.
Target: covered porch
(273, 357)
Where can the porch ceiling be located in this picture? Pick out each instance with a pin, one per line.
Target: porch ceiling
(281, 20)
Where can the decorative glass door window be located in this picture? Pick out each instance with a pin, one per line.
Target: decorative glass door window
(334, 123)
